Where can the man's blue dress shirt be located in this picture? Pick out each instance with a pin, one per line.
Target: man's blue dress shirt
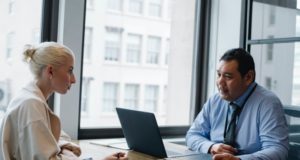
(262, 131)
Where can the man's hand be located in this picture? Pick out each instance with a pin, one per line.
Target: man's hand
(220, 148)
(225, 156)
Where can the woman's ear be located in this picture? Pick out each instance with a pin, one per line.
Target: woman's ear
(49, 71)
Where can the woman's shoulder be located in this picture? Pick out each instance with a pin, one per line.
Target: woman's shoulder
(27, 110)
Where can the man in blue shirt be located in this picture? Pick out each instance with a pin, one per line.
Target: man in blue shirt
(259, 128)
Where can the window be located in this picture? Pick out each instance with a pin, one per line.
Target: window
(272, 15)
(113, 44)
(110, 96)
(165, 99)
(10, 41)
(88, 43)
(85, 94)
(19, 27)
(151, 98)
(269, 19)
(281, 48)
(270, 48)
(167, 51)
(131, 94)
(11, 6)
(90, 4)
(134, 48)
(136, 6)
(115, 4)
(155, 8)
(270, 52)
(128, 69)
(36, 36)
(154, 48)
(282, 76)
(268, 83)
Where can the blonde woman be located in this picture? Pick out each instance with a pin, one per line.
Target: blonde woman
(30, 130)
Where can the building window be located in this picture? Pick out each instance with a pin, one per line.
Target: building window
(155, 8)
(10, 40)
(113, 44)
(36, 36)
(90, 4)
(268, 83)
(85, 93)
(134, 47)
(11, 6)
(272, 15)
(270, 48)
(88, 43)
(151, 98)
(115, 5)
(131, 96)
(167, 51)
(110, 96)
(165, 99)
(136, 6)
(154, 47)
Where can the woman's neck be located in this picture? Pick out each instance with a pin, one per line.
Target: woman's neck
(45, 87)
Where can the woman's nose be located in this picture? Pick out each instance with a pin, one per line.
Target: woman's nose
(73, 79)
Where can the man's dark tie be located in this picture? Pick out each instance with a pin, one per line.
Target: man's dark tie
(229, 137)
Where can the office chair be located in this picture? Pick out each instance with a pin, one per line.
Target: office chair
(293, 118)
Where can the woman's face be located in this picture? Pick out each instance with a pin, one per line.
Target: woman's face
(63, 77)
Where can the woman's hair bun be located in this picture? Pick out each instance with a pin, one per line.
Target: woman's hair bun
(29, 51)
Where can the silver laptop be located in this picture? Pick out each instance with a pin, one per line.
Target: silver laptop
(142, 134)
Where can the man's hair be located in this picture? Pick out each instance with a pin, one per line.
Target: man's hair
(243, 58)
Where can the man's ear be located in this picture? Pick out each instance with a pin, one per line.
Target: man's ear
(249, 77)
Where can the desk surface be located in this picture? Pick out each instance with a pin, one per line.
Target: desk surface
(99, 152)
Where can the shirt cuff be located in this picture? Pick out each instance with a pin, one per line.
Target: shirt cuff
(206, 146)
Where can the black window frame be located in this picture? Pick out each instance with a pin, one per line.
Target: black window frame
(247, 14)
(49, 29)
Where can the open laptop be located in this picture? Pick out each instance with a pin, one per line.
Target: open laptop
(142, 134)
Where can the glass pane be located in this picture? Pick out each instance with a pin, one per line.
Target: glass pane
(22, 20)
(137, 62)
(155, 7)
(136, 6)
(278, 69)
(131, 96)
(134, 46)
(274, 21)
(114, 5)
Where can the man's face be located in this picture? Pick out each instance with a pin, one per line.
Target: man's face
(230, 83)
